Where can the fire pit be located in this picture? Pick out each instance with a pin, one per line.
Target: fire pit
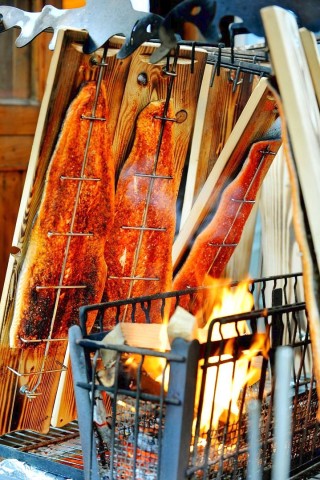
(175, 432)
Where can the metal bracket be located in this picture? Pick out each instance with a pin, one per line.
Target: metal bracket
(103, 19)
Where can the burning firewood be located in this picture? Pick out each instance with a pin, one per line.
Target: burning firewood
(130, 368)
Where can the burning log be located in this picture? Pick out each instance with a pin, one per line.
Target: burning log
(131, 367)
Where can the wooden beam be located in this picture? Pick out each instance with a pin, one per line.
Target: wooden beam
(26, 116)
(14, 153)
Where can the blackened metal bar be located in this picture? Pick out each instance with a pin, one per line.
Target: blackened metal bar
(179, 418)
(136, 418)
(277, 327)
(148, 397)
(95, 345)
(166, 119)
(79, 371)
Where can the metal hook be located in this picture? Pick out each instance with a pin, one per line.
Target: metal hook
(254, 63)
(193, 48)
(235, 80)
(217, 67)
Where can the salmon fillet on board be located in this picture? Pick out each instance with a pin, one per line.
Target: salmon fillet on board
(139, 247)
(214, 246)
(64, 265)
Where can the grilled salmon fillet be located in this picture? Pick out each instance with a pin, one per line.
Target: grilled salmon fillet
(64, 265)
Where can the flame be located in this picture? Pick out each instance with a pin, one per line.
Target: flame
(225, 381)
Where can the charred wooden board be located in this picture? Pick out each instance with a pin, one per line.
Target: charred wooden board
(127, 94)
(69, 68)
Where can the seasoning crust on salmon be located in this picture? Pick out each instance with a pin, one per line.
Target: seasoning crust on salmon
(64, 265)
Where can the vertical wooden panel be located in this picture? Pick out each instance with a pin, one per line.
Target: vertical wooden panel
(11, 184)
(23, 73)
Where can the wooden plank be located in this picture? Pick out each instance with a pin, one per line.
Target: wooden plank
(185, 92)
(238, 267)
(310, 47)
(18, 117)
(301, 132)
(256, 118)
(15, 152)
(11, 185)
(196, 146)
(299, 105)
(279, 249)
(225, 105)
(218, 110)
(63, 82)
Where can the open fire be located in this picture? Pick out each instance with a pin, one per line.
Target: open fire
(199, 429)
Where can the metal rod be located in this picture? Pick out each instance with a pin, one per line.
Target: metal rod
(59, 287)
(27, 374)
(92, 118)
(254, 467)
(282, 414)
(69, 234)
(151, 229)
(148, 279)
(163, 177)
(42, 340)
(80, 179)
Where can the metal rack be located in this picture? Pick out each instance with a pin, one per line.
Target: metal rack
(176, 446)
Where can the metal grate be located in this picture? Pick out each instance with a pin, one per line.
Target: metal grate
(179, 446)
(152, 434)
(58, 451)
